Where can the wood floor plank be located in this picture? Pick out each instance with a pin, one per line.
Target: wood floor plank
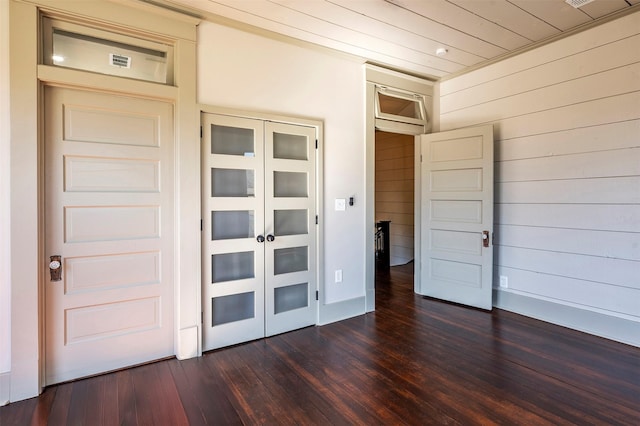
(203, 393)
(110, 409)
(414, 361)
(153, 383)
(61, 405)
(126, 398)
(42, 410)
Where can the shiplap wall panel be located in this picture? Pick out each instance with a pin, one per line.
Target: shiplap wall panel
(620, 162)
(618, 272)
(567, 170)
(592, 61)
(591, 113)
(605, 217)
(608, 244)
(587, 139)
(612, 190)
(587, 88)
(612, 32)
(394, 192)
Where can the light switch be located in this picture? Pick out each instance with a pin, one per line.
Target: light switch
(341, 204)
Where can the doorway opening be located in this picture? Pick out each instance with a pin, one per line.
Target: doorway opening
(396, 104)
(395, 202)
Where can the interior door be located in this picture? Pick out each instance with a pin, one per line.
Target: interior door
(290, 273)
(457, 216)
(109, 232)
(259, 229)
(233, 230)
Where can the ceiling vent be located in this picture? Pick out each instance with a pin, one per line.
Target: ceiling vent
(120, 61)
(578, 3)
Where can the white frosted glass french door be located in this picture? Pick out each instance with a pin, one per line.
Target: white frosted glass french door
(259, 238)
(290, 222)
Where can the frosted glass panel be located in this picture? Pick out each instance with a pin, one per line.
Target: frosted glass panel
(291, 297)
(290, 184)
(226, 225)
(290, 259)
(232, 266)
(232, 141)
(290, 147)
(232, 308)
(290, 222)
(232, 183)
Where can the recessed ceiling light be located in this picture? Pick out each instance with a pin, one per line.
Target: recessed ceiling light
(441, 51)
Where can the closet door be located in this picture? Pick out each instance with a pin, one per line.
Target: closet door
(290, 227)
(233, 224)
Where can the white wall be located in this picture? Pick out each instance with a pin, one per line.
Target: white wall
(5, 241)
(567, 191)
(242, 70)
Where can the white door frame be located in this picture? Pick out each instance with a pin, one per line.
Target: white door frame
(26, 202)
(376, 75)
(319, 229)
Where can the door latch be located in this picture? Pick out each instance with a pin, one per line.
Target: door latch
(55, 267)
(485, 238)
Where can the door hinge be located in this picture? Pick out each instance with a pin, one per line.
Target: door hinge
(421, 158)
(200, 132)
(316, 219)
(201, 317)
(317, 295)
(201, 224)
(316, 143)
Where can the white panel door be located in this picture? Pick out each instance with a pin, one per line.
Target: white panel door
(259, 234)
(290, 224)
(457, 216)
(233, 230)
(109, 217)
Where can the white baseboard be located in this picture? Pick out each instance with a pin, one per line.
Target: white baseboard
(607, 326)
(341, 310)
(188, 343)
(5, 388)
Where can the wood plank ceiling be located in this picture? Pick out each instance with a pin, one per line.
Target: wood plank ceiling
(405, 34)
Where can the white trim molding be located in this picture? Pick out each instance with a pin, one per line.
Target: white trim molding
(607, 326)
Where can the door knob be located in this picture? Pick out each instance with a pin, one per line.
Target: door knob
(485, 238)
(270, 238)
(260, 239)
(55, 267)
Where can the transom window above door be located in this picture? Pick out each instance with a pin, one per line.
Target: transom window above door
(69, 45)
(396, 105)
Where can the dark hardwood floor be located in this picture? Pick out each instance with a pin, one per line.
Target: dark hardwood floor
(413, 361)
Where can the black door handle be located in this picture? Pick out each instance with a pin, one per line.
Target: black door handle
(270, 238)
(260, 239)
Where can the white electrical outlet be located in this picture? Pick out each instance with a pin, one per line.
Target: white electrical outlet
(504, 281)
(341, 204)
(338, 275)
